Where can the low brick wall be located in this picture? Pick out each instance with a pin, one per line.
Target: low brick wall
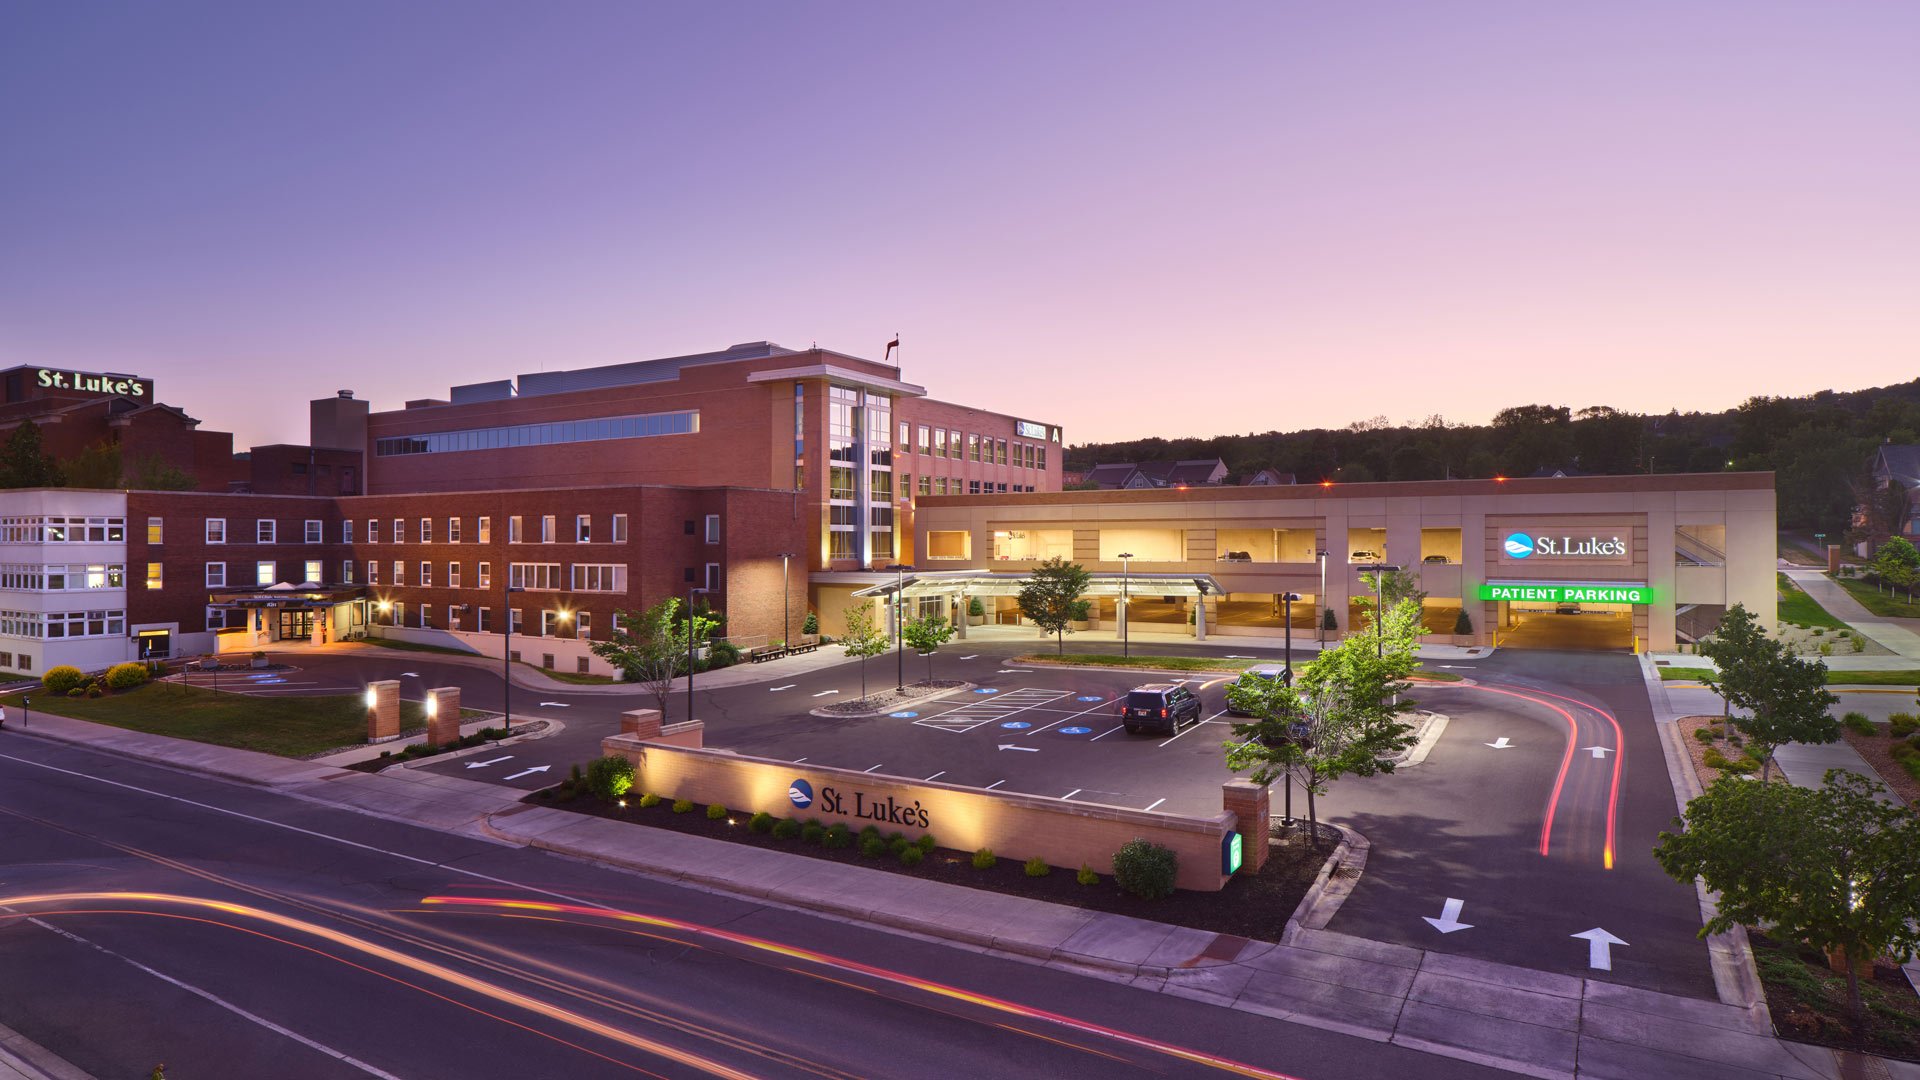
(1019, 827)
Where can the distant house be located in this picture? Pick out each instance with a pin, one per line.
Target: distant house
(1552, 473)
(1268, 478)
(1133, 475)
(1897, 464)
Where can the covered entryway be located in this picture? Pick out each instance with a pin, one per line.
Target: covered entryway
(1591, 615)
(1171, 600)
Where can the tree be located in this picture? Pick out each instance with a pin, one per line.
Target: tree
(1340, 718)
(1047, 599)
(98, 466)
(1897, 564)
(925, 636)
(1393, 585)
(863, 639)
(24, 462)
(150, 473)
(651, 647)
(1831, 867)
(1785, 696)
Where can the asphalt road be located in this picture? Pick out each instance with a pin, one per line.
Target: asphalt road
(1471, 823)
(149, 916)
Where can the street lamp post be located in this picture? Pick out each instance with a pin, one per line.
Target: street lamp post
(1320, 621)
(506, 649)
(1126, 623)
(786, 603)
(690, 635)
(899, 626)
(1286, 605)
(1379, 572)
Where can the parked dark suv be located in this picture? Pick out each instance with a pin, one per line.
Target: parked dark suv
(1159, 707)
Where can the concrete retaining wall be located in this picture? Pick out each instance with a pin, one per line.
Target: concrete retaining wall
(1018, 827)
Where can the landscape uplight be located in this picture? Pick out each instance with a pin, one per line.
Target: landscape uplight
(373, 697)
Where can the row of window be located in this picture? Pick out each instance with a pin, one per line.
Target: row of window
(7, 662)
(554, 622)
(946, 443)
(62, 624)
(563, 431)
(63, 530)
(59, 578)
(266, 530)
(945, 485)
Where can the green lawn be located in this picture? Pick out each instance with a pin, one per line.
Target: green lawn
(1178, 663)
(289, 726)
(1900, 677)
(571, 676)
(1799, 608)
(1684, 674)
(1891, 605)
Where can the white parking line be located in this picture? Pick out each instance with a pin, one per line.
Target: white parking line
(875, 767)
(1106, 733)
(1156, 802)
(1198, 726)
(798, 760)
(824, 693)
(993, 785)
(1070, 794)
(938, 775)
(789, 686)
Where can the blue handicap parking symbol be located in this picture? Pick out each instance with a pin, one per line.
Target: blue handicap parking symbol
(903, 715)
(1088, 697)
(1075, 730)
(985, 690)
(1016, 725)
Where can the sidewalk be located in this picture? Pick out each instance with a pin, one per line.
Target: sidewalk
(1536, 1023)
(1889, 633)
(23, 1059)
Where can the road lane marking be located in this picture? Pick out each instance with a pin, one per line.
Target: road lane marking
(798, 760)
(1106, 733)
(938, 775)
(789, 686)
(1501, 743)
(1156, 802)
(824, 693)
(1070, 794)
(875, 767)
(1198, 726)
(975, 656)
(993, 785)
(1449, 919)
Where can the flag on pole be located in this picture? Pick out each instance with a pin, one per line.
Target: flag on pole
(891, 345)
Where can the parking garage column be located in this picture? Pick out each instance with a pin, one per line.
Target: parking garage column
(960, 619)
(1199, 618)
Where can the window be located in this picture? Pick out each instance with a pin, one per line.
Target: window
(263, 572)
(263, 530)
(513, 620)
(840, 545)
(399, 572)
(599, 577)
(453, 530)
(453, 616)
(426, 617)
(426, 537)
(399, 530)
(513, 529)
(840, 483)
(926, 484)
(346, 571)
(483, 620)
(346, 531)
(926, 438)
(940, 442)
(399, 614)
(953, 441)
(315, 573)
(973, 487)
(939, 485)
(713, 528)
(373, 572)
(373, 531)
(583, 529)
(549, 622)
(1039, 457)
(483, 575)
(153, 575)
(619, 528)
(1001, 488)
(546, 528)
(713, 577)
(313, 532)
(1000, 452)
(216, 618)
(583, 628)
(484, 528)
(156, 530)
(216, 530)
(906, 436)
(426, 574)
(973, 447)
(453, 575)
(539, 576)
(562, 431)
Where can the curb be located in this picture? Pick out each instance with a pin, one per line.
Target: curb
(33, 1061)
(1042, 665)
(554, 727)
(195, 767)
(1326, 894)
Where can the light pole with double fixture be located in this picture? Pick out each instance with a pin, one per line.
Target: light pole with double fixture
(1286, 606)
(1379, 572)
(786, 602)
(506, 649)
(900, 626)
(1320, 621)
(1126, 621)
(690, 636)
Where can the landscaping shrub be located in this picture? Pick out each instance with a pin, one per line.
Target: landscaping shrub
(63, 679)
(810, 624)
(812, 833)
(838, 836)
(1912, 765)
(1819, 631)
(1037, 867)
(869, 830)
(1859, 640)
(723, 654)
(911, 856)
(1146, 870)
(93, 690)
(1705, 734)
(715, 811)
(786, 829)
(1826, 648)
(650, 800)
(610, 776)
(78, 691)
(1900, 725)
(683, 806)
(897, 843)
(975, 607)
(126, 676)
(1858, 723)
(926, 842)
(1903, 751)
(1086, 876)
(984, 859)
(1462, 625)
(873, 845)
(761, 822)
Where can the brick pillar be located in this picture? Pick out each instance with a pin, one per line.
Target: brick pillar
(443, 716)
(1252, 804)
(643, 723)
(383, 711)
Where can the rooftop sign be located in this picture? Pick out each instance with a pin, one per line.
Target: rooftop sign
(87, 382)
(1555, 592)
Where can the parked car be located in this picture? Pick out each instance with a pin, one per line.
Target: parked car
(1440, 559)
(1159, 707)
(1364, 555)
(1567, 609)
(1264, 671)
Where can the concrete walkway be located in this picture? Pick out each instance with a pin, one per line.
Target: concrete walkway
(23, 1059)
(1891, 634)
(1536, 1023)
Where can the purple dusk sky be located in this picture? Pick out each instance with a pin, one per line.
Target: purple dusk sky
(1160, 219)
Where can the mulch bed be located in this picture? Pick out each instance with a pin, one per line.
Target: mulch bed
(1697, 750)
(888, 699)
(1251, 906)
(1808, 1001)
(1877, 749)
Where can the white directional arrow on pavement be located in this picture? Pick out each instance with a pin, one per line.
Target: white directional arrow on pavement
(1028, 749)
(1599, 751)
(1501, 743)
(1449, 919)
(555, 704)
(484, 764)
(975, 656)
(409, 674)
(789, 686)
(529, 772)
(1599, 946)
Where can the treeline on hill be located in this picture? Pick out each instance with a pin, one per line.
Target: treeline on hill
(1820, 446)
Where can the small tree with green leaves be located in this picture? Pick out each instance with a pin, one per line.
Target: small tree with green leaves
(1736, 646)
(1897, 565)
(925, 636)
(24, 462)
(1047, 599)
(1831, 867)
(1784, 697)
(651, 647)
(1329, 621)
(863, 639)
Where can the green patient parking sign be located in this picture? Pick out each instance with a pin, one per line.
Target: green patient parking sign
(1568, 593)
(1229, 854)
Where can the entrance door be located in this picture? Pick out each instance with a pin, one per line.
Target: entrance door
(296, 625)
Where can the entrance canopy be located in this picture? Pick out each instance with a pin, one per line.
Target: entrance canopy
(1004, 583)
(286, 596)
